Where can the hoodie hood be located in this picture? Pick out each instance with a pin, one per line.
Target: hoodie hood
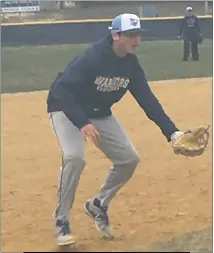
(104, 46)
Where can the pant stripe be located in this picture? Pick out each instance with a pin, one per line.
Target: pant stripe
(61, 173)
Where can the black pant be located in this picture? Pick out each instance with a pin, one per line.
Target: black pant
(190, 45)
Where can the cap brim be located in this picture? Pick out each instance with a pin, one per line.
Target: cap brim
(128, 32)
(133, 31)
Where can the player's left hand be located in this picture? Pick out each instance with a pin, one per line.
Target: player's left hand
(190, 143)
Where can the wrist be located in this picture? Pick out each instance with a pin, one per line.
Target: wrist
(176, 135)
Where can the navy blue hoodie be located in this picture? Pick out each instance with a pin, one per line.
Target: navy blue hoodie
(95, 80)
(190, 27)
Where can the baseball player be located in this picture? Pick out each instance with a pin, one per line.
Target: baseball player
(191, 33)
(79, 106)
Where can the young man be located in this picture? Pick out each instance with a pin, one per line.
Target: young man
(191, 33)
(79, 105)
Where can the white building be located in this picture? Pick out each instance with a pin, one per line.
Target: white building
(51, 5)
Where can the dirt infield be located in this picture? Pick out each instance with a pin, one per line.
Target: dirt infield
(168, 195)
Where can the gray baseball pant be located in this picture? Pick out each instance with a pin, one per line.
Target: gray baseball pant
(114, 143)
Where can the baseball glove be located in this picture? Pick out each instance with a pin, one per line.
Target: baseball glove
(192, 142)
(199, 38)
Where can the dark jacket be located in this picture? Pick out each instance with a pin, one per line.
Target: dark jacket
(190, 28)
(97, 79)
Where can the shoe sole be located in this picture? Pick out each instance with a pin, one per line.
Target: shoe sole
(105, 233)
(66, 243)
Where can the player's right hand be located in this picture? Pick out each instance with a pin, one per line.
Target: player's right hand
(90, 132)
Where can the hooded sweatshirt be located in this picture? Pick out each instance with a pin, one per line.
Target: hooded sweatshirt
(190, 27)
(97, 79)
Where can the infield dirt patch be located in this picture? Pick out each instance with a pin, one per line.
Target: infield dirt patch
(168, 195)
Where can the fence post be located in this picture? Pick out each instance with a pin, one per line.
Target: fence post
(206, 7)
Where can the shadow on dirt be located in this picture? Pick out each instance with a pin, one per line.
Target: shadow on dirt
(73, 248)
(197, 241)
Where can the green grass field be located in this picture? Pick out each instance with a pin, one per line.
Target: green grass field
(32, 68)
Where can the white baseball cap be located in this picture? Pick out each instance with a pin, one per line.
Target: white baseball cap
(125, 22)
(188, 8)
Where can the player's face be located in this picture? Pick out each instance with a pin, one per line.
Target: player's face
(189, 13)
(129, 42)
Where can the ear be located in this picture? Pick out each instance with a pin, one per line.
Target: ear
(115, 36)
